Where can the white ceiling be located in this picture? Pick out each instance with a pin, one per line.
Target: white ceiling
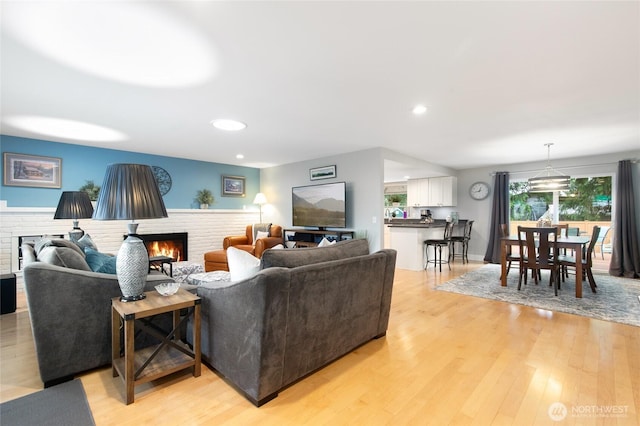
(314, 79)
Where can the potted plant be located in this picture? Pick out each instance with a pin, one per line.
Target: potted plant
(204, 197)
(92, 189)
(395, 200)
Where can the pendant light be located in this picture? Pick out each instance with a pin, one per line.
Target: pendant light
(552, 181)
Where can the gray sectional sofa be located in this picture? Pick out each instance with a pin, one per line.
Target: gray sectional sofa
(70, 309)
(304, 309)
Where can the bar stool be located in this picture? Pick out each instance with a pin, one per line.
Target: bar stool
(463, 240)
(437, 245)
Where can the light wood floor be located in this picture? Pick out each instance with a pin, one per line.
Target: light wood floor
(446, 359)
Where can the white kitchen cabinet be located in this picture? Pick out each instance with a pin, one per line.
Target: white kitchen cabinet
(417, 192)
(443, 191)
(432, 192)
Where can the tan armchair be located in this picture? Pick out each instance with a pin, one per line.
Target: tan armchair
(217, 260)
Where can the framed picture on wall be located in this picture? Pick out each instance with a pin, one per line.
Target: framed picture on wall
(233, 186)
(31, 170)
(326, 172)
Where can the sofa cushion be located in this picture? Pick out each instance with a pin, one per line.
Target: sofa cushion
(63, 256)
(100, 262)
(292, 258)
(55, 242)
(242, 265)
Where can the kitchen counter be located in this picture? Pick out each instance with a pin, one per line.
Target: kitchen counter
(407, 236)
(414, 223)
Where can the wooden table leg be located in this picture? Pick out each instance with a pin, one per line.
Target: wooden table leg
(503, 263)
(579, 272)
(129, 355)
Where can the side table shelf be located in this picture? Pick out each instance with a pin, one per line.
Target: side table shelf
(170, 356)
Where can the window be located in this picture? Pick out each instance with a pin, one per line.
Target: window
(589, 198)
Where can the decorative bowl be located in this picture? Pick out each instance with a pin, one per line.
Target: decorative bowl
(168, 289)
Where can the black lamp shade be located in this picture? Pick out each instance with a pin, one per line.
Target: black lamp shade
(129, 192)
(74, 205)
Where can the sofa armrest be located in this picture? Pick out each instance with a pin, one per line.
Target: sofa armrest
(235, 240)
(69, 311)
(247, 345)
(266, 243)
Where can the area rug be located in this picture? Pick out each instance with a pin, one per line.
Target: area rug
(617, 299)
(64, 404)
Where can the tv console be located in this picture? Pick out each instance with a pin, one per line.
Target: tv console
(312, 237)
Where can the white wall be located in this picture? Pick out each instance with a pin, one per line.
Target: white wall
(362, 171)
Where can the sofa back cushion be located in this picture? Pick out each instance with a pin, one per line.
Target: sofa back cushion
(292, 258)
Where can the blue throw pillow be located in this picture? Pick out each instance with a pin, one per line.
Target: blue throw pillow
(100, 262)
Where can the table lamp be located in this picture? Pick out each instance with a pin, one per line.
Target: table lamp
(130, 192)
(74, 205)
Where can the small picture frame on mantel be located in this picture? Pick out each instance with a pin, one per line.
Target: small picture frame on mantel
(326, 172)
(233, 186)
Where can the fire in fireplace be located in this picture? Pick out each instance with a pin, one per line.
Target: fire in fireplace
(173, 245)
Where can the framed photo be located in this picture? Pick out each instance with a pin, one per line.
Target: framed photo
(32, 170)
(326, 172)
(233, 186)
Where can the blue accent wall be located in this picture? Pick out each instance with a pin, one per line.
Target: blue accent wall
(83, 163)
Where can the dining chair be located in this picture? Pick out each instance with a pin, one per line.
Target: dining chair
(538, 251)
(563, 229)
(602, 235)
(587, 260)
(437, 245)
(463, 240)
(511, 257)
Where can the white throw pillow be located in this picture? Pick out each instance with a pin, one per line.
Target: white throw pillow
(261, 234)
(325, 242)
(242, 265)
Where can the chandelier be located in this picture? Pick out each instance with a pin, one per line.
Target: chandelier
(553, 181)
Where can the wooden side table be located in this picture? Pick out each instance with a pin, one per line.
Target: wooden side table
(171, 355)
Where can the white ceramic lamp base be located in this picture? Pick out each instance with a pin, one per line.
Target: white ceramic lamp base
(132, 267)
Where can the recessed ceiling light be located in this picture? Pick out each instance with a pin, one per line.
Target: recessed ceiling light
(63, 128)
(228, 125)
(419, 109)
(239, 156)
(407, 177)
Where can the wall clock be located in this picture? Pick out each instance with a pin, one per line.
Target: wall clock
(163, 178)
(479, 190)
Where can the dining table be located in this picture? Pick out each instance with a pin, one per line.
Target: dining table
(575, 243)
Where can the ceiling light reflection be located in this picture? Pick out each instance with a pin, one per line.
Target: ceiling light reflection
(62, 128)
(133, 43)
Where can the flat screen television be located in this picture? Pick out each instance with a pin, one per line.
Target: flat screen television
(320, 206)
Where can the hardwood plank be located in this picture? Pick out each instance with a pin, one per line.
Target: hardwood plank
(446, 359)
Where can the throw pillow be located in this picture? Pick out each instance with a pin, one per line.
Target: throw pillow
(100, 262)
(326, 242)
(86, 241)
(63, 256)
(55, 242)
(263, 227)
(242, 265)
(260, 234)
